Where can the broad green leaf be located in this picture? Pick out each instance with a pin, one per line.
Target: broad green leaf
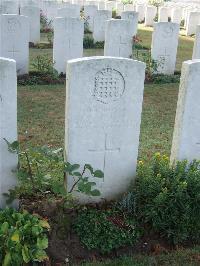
(25, 254)
(95, 193)
(42, 243)
(99, 174)
(4, 227)
(74, 167)
(40, 256)
(44, 224)
(77, 174)
(7, 259)
(89, 167)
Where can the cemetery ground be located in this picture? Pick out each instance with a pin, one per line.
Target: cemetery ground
(41, 122)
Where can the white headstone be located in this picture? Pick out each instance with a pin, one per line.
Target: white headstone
(132, 17)
(141, 10)
(33, 13)
(164, 46)
(186, 142)
(119, 8)
(176, 16)
(90, 12)
(72, 11)
(111, 5)
(119, 38)
(193, 21)
(129, 7)
(68, 41)
(150, 14)
(8, 126)
(14, 40)
(102, 123)
(163, 14)
(196, 49)
(100, 24)
(9, 7)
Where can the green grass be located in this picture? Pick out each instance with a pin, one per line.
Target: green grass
(41, 108)
(41, 113)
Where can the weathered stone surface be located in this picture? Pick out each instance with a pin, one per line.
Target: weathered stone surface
(193, 21)
(8, 125)
(150, 14)
(100, 24)
(119, 38)
(186, 143)
(90, 12)
(33, 13)
(68, 41)
(196, 48)
(14, 40)
(132, 17)
(164, 46)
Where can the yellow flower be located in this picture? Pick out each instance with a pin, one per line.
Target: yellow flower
(165, 158)
(157, 154)
(141, 162)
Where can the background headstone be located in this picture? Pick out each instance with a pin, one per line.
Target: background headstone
(33, 13)
(132, 17)
(118, 38)
(164, 46)
(100, 24)
(14, 40)
(68, 41)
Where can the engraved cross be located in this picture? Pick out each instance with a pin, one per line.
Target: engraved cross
(105, 151)
(13, 51)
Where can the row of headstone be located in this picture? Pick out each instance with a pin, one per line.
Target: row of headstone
(117, 34)
(105, 127)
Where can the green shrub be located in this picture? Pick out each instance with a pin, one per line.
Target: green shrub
(168, 198)
(44, 65)
(23, 238)
(151, 64)
(163, 79)
(105, 230)
(99, 45)
(43, 171)
(88, 42)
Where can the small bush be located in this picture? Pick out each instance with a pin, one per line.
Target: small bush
(44, 65)
(168, 198)
(88, 42)
(99, 45)
(23, 238)
(105, 230)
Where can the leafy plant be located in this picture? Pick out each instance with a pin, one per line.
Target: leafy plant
(44, 65)
(43, 171)
(105, 230)
(23, 238)
(88, 42)
(46, 25)
(151, 64)
(86, 24)
(50, 37)
(168, 198)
